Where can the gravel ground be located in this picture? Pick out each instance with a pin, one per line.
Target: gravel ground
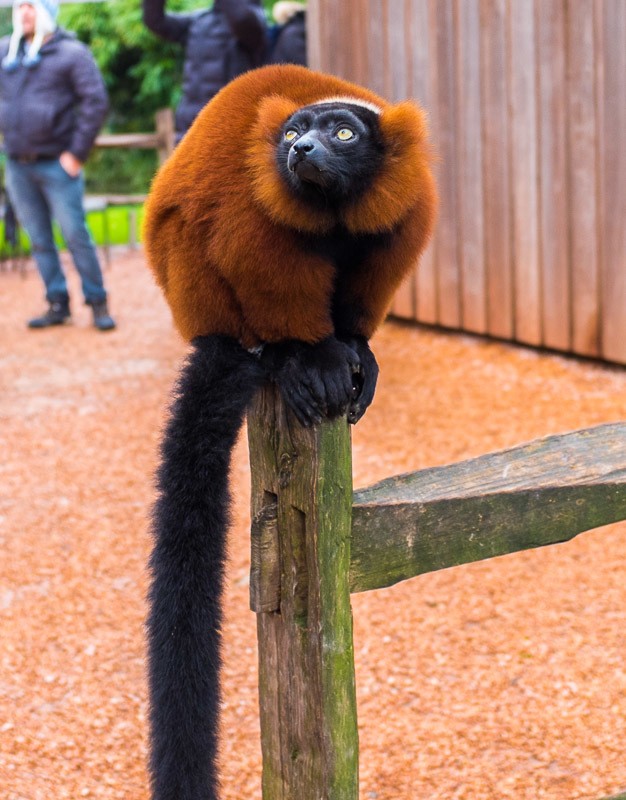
(502, 679)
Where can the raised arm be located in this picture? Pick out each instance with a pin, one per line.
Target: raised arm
(173, 27)
(247, 23)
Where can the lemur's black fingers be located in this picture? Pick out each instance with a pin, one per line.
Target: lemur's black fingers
(303, 405)
(313, 380)
(359, 405)
(364, 381)
(356, 411)
(328, 387)
(338, 389)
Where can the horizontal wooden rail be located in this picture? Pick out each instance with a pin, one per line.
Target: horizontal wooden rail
(145, 141)
(537, 494)
(162, 140)
(124, 199)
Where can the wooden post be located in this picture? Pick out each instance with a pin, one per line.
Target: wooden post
(164, 119)
(133, 229)
(301, 525)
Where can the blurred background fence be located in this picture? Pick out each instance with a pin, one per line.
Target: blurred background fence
(527, 104)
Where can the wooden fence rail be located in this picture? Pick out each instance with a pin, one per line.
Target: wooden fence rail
(527, 110)
(313, 544)
(162, 140)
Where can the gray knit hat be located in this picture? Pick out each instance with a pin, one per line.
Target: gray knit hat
(46, 12)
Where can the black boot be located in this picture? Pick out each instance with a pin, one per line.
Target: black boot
(101, 317)
(58, 312)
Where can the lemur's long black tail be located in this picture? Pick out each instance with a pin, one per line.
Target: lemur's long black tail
(190, 519)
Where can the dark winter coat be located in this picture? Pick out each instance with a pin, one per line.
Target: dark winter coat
(290, 42)
(55, 105)
(220, 44)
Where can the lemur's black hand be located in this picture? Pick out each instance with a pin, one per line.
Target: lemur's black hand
(364, 380)
(315, 380)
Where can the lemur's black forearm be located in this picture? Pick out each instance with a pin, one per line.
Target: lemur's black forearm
(190, 520)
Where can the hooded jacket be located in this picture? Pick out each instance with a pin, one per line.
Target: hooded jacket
(290, 40)
(55, 105)
(220, 43)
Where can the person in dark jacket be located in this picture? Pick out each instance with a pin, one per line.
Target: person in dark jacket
(289, 36)
(220, 43)
(52, 105)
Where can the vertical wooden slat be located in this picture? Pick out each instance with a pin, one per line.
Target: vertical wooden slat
(523, 167)
(389, 11)
(470, 189)
(582, 152)
(448, 277)
(556, 286)
(334, 21)
(377, 50)
(361, 26)
(422, 88)
(399, 44)
(496, 184)
(396, 25)
(315, 34)
(613, 181)
(346, 27)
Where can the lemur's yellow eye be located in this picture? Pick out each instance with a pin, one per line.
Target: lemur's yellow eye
(290, 135)
(344, 134)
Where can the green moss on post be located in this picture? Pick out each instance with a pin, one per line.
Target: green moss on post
(301, 510)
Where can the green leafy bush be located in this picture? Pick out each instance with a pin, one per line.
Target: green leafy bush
(142, 74)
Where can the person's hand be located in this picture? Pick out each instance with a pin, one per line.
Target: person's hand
(70, 164)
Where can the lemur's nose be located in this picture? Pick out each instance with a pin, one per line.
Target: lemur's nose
(305, 144)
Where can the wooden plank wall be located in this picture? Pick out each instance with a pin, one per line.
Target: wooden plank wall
(527, 104)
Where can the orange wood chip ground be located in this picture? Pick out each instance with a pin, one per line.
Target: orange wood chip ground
(502, 679)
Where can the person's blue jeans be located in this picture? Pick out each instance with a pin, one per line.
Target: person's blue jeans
(41, 191)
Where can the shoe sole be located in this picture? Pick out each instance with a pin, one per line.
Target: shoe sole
(47, 325)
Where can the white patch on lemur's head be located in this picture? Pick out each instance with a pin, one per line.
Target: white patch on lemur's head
(352, 101)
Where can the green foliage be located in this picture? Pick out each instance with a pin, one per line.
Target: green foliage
(120, 171)
(141, 71)
(142, 74)
(5, 21)
(112, 227)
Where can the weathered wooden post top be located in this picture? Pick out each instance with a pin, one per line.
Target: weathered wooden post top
(313, 543)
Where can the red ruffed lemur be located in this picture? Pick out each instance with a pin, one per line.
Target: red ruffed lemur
(278, 230)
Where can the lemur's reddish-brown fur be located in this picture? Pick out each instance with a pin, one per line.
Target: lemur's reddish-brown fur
(222, 228)
(247, 253)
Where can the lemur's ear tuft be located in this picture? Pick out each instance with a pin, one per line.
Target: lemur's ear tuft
(268, 186)
(272, 113)
(404, 124)
(405, 173)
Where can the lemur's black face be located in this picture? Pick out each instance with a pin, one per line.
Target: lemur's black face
(330, 152)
